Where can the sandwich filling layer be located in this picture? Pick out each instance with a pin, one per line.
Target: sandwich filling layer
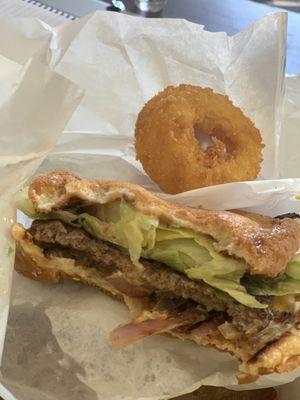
(183, 250)
(171, 302)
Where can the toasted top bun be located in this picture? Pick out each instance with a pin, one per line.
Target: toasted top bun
(266, 244)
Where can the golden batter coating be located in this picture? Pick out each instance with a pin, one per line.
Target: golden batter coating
(167, 146)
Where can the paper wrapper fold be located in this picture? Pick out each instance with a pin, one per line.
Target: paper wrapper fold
(57, 339)
(35, 105)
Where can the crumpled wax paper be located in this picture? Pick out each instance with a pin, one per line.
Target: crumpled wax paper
(57, 343)
(30, 97)
(35, 105)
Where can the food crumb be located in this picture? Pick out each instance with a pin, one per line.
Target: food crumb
(10, 250)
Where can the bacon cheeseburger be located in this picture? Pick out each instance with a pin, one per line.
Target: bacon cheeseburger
(222, 279)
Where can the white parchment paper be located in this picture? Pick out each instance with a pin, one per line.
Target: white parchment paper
(57, 338)
(30, 96)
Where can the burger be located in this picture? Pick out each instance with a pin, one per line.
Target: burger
(230, 280)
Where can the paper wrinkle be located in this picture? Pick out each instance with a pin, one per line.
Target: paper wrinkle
(290, 138)
(23, 38)
(57, 343)
(21, 122)
(256, 84)
(267, 197)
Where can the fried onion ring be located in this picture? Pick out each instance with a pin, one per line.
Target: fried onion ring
(167, 145)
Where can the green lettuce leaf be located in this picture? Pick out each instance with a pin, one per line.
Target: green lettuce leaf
(133, 231)
(166, 233)
(139, 230)
(215, 263)
(285, 284)
(293, 268)
(261, 286)
(195, 256)
(228, 283)
(24, 204)
(200, 249)
(181, 254)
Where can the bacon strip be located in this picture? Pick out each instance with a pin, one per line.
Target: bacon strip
(125, 335)
(125, 287)
(205, 328)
